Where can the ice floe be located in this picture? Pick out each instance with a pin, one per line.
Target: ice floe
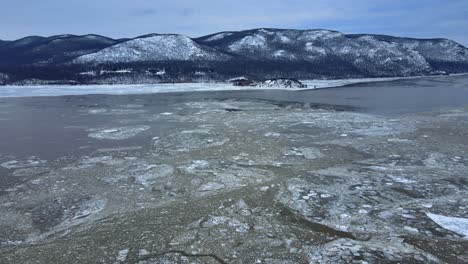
(118, 133)
(20, 164)
(455, 224)
(122, 256)
(89, 208)
(116, 111)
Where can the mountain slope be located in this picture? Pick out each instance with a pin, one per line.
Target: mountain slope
(55, 49)
(442, 54)
(154, 48)
(257, 54)
(367, 53)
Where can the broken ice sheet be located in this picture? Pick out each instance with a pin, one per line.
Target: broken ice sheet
(308, 153)
(90, 208)
(455, 224)
(118, 133)
(21, 164)
(122, 256)
(115, 111)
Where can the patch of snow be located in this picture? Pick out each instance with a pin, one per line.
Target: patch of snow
(117, 71)
(255, 41)
(241, 78)
(312, 35)
(282, 83)
(88, 73)
(153, 48)
(219, 36)
(283, 54)
(161, 72)
(284, 39)
(311, 48)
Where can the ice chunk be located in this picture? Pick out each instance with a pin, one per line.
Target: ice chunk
(118, 133)
(454, 224)
(401, 180)
(122, 255)
(311, 153)
(15, 164)
(156, 172)
(212, 186)
(91, 207)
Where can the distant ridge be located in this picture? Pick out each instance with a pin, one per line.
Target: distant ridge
(256, 53)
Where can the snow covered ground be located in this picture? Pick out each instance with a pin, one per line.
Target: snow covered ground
(59, 90)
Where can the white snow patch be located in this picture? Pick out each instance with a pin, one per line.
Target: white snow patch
(283, 54)
(116, 71)
(256, 41)
(161, 72)
(313, 35)
(152, 48)
(88, 73)
(311, 48)
(219, 36)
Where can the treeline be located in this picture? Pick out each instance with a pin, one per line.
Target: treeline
(174, 71)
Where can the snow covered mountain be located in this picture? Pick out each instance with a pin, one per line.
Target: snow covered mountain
(367, 53)
(154, 48)
(55, 49)
(440, 53)
(257, 54)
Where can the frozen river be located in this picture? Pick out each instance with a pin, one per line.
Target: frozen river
(373, 172)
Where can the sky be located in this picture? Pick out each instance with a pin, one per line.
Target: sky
(131, 18)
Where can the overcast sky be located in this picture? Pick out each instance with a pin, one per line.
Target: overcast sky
(130, 18)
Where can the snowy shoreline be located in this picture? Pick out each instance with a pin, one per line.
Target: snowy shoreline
(123, 89)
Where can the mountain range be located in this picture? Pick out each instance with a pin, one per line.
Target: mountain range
(256, 54)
